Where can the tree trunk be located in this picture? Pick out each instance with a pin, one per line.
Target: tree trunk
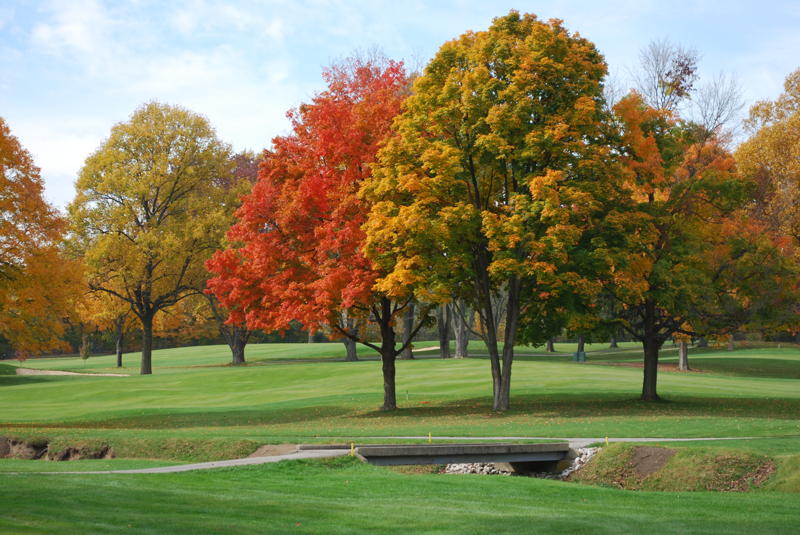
(147, 344)
(483, 287)
(443, 324)
(119, 324)
(551, 347)
(702, 342)
(651, 345)
(502, 399)
(350, 348)
(310, 336)
(461, 325)
(581, 344)
(649, 384)
(683, 356)
(408, 326)
(388, 356)
(237, 343)
(613, 344)
(84, 349)
(731, 345)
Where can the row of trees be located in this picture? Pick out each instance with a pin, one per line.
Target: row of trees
(507, 172)
(505, 182)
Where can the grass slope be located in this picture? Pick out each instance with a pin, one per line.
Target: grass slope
(196, 407)
(343, 496)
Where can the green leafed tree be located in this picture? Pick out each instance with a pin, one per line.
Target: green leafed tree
(492, 180)
(149, 211)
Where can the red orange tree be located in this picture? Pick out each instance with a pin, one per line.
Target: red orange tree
(298, 242)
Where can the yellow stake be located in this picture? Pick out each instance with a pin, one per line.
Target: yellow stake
(606, 441)
(352, 449)
(430, 438)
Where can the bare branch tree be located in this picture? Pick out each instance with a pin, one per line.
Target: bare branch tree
(666, 74)
(612, 92)
(718, 103)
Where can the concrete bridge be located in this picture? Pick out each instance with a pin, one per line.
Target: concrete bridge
(521, 458)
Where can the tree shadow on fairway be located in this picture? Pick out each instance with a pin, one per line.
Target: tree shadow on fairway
(13, 380)
(173, 419)
(583, 406)
(749, 367)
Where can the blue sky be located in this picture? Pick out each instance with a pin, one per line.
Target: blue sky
(71, 69)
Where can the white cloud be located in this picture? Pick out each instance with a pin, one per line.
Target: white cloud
(185, 20)
(201, 17)
(59, 150)
(6, 16)
(80, 26)
(764, 69)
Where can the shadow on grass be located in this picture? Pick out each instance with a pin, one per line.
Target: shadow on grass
(738, 366)
(535, 355)
(215, 418)
(749, 367)
(14, 380)
(583, 406)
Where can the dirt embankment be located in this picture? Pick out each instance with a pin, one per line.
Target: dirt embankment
(270, 450)
(632, 467)
(11, 448)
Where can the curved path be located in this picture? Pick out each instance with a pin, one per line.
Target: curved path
(32, 371)
(246, 461)
(323, 452)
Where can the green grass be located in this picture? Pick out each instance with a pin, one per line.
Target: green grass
(333, 401)
(344, 496)
(220, 355)
(195, 407)
(83, 465)
(687, 469)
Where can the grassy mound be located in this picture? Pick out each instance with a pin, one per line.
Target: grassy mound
(633, 467)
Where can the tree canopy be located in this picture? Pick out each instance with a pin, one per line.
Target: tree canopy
(37, 282)
(494, 173)
(149, 211)
(297, 247)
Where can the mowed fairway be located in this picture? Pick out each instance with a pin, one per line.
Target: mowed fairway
(343, 496)
(195, 407)
(316, 401)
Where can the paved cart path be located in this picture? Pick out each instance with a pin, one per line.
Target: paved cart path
(574, 443)
(246, 461)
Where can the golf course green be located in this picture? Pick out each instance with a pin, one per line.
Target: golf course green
(196, 407)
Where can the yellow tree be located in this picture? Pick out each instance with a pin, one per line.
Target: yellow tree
(771, 158)
(102, 312)
(36, 282)
(494, 176)
(148, 212)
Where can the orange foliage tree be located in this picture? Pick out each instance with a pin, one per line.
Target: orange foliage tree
(37, 283)
(692, 263)
(297, 248)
